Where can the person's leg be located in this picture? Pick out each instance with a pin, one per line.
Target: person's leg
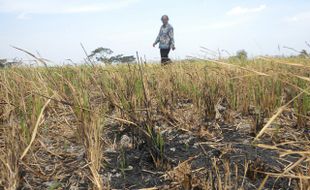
(167, 57)
(164, 53)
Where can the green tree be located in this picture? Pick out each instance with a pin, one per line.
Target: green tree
(105, 55)
(242, 55)
(2, 63)
(122, 59)
(101, 54)
(303, 53)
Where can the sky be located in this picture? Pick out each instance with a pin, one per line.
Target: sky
(54, 29)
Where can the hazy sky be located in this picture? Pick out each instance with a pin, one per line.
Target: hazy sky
(55, 28)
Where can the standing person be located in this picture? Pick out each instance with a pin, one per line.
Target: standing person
(165, 39)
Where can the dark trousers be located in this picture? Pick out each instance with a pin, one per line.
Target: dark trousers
(164, 53)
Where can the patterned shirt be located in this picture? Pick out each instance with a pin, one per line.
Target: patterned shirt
(165, 37)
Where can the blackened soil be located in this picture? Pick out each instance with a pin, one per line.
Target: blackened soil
(246, 162)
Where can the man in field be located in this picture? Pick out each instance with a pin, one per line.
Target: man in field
(165, 39)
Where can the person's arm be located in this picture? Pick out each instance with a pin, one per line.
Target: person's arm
(171, 35)
(157, 39)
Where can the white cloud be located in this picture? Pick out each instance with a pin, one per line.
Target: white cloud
(245, 10)
(25, 8)
(226, 24)
(218, 25)
(299, 17)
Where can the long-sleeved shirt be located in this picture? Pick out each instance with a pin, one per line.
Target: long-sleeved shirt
(165, 37)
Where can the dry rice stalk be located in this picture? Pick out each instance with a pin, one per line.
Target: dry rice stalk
(239, 67)
(9, 159)
(286, 175)
(181, 175)
(280, 110)
(263, 183)
(89, 131)
(35, 130)
(303, 78)
(285, 63)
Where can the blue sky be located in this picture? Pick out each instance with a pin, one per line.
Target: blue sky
(55, 28)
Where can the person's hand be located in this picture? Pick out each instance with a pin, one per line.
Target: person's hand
(173, 48)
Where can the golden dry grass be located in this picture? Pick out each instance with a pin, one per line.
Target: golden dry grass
(81, 98)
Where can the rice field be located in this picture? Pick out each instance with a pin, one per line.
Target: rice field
(195, 124)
